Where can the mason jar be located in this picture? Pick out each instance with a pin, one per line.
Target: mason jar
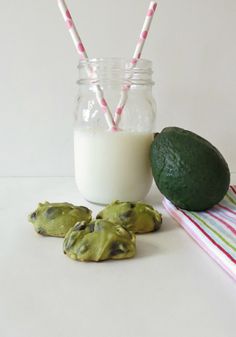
(114, 165)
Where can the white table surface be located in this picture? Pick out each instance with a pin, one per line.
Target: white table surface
(171, 288)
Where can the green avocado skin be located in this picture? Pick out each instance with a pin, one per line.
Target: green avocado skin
(188, 170)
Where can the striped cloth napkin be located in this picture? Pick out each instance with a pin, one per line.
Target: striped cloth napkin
(214, 230)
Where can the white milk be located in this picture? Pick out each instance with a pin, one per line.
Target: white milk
(112, 165)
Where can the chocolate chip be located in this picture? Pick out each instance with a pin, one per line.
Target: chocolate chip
(117, 248)
(116, 252)
(52, 212)
(33, 216)
(157, 224)
(125, 216)
(41, 231)
(80, 226)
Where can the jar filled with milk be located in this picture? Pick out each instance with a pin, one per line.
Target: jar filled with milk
(114, 165)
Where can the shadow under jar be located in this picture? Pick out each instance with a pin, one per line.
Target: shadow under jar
(114, 165)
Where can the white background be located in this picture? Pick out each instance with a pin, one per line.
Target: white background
(192, 45)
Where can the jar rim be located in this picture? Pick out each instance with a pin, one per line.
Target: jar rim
(142, 63)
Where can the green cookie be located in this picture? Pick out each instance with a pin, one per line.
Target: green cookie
(55, 219)
(99, 240)
(137, 217)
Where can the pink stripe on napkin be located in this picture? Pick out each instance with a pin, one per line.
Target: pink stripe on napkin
(214, 230)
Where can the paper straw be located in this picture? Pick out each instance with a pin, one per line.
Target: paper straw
(84, 56)
(136, 57)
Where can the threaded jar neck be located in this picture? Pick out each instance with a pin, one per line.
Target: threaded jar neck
(115, 70)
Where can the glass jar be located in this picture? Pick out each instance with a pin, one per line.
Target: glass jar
(114, 165)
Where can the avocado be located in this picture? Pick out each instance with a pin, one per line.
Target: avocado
(188, 170)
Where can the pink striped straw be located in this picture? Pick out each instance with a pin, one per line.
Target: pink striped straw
(83, 56)
(136, 57)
